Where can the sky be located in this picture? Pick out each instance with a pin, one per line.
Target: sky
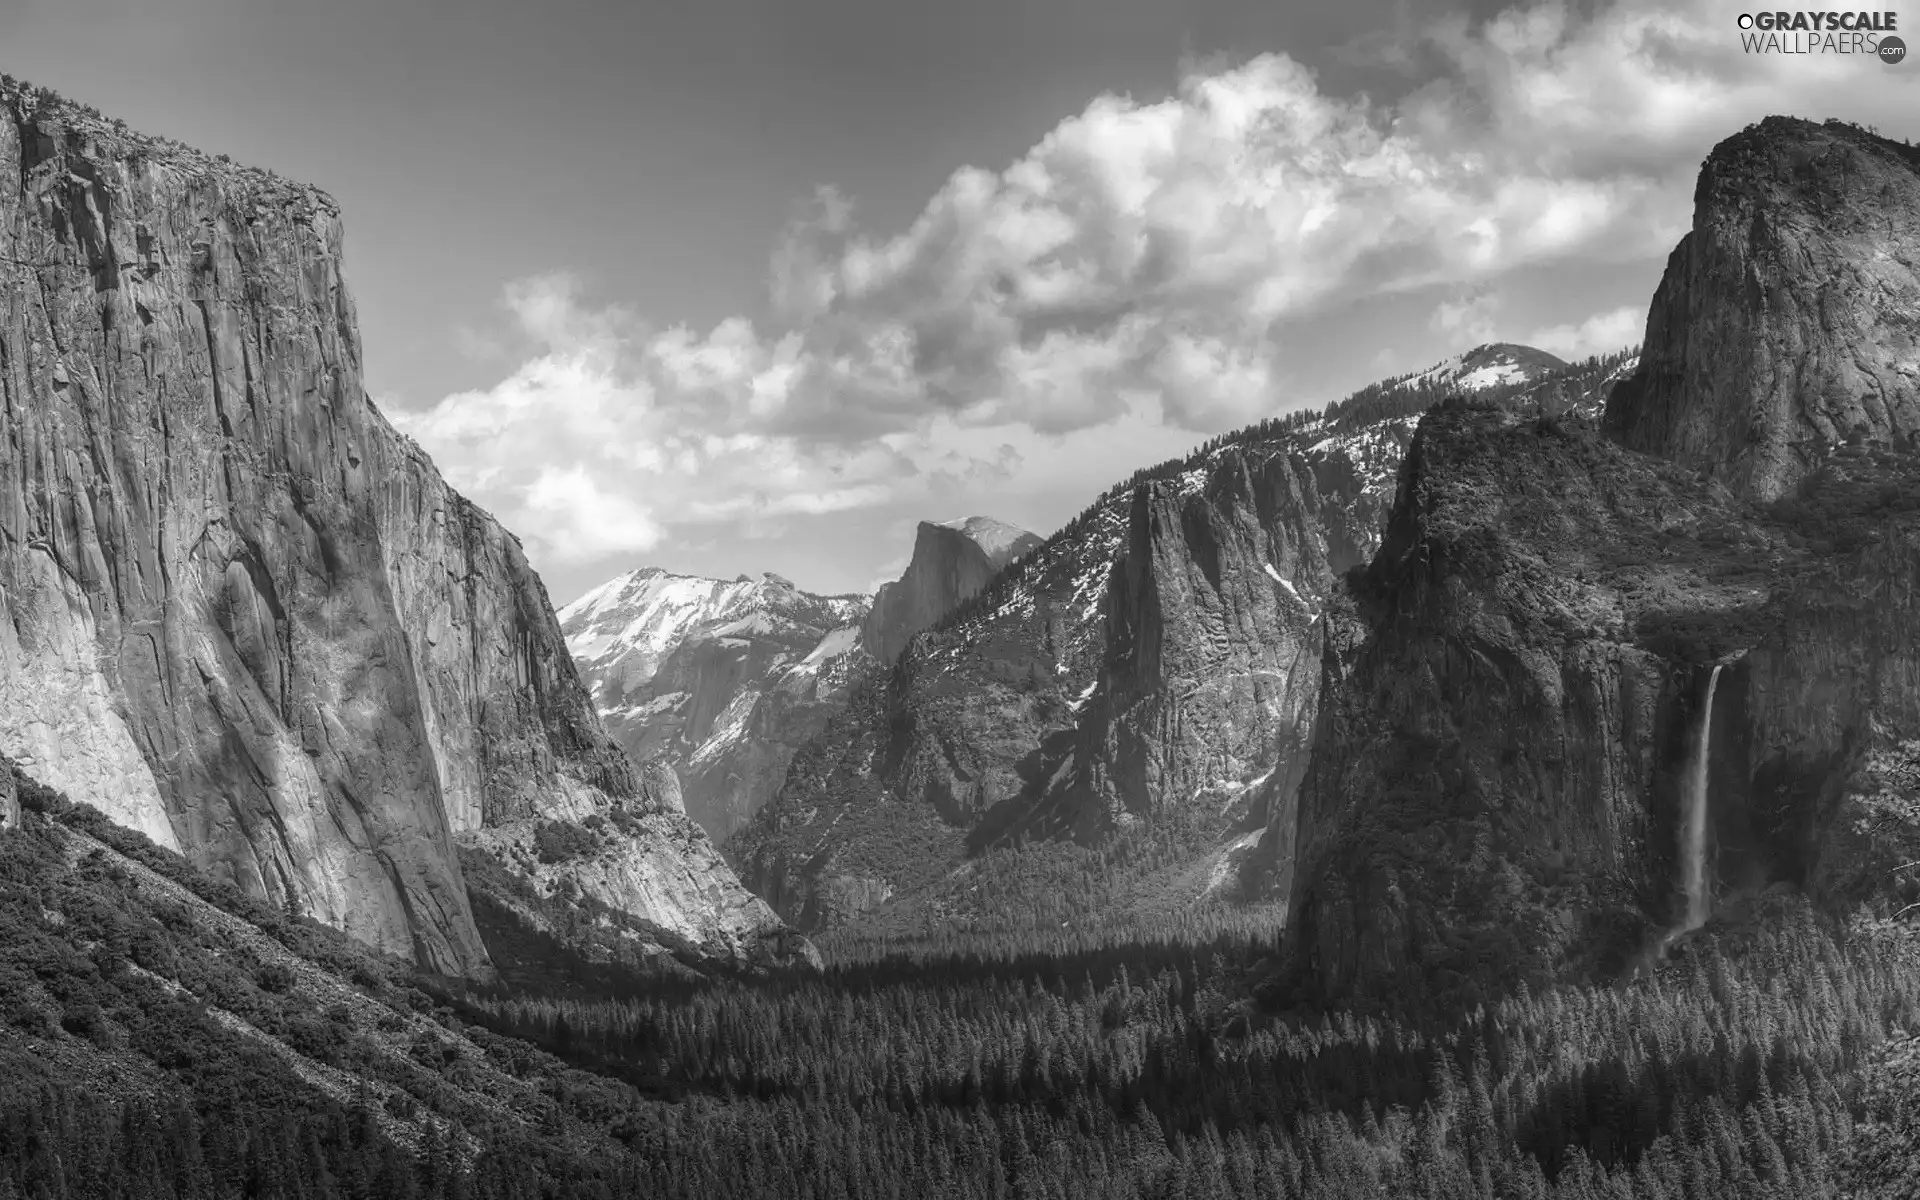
(748, 285)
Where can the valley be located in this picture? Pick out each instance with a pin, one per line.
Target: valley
(1499, 782)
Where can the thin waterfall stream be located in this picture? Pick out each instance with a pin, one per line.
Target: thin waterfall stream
(1693, 846)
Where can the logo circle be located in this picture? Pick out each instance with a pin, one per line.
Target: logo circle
(1892, 50)
(1745, 21)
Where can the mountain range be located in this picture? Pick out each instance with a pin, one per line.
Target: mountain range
(724, 681)
(1503, 781)
(1149, 673)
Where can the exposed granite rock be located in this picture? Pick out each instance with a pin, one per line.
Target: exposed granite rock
(1495, 789)
(724, 679)
(1158, 652)
(511, 727)
(241, 614)
(1210, 656)
(952, 561)
(1155, 664)
(1827, 741)
(9, 797)
(1498, 745)
(1493, 794)
(1788, 320)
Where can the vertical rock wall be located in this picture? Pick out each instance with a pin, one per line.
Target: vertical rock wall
(237, 611)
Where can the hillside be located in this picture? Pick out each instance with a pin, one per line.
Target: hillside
(165, 1035)
(164, 1030)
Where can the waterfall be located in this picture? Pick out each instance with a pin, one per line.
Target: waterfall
(1693, 847)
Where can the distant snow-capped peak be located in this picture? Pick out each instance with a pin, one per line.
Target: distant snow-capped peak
(1491, 365)
(641, 617)
(994, 537)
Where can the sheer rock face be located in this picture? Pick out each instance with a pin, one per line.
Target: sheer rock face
(951, 562)
(1510, 705)
(1160, 654)
(1157, 660)
(1789, 318)
(1211, 664)
(1515, 692)
(241, 614)
(721, 679)
(1495, 773)
(9, 798)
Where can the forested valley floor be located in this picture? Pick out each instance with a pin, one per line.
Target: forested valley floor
(167, 1037)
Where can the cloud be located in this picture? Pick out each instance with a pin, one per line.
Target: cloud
(887, 572)
(1601, 333)
(1468, 319)
(1132, 271)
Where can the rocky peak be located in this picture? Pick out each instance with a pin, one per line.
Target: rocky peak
(714, 681)
(952, 561)
(1492, 365)
(1566, 640)
(622, 631)
(1157, 657)
(1788, 320)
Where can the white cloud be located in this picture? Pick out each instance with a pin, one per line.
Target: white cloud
(1602, 333)
(1468, 319)
(887, 572)
(1129, 273)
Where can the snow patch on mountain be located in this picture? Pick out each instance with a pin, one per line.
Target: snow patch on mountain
(720, 678)
(1496, 364)
(1492, 375)
(837, 644)
(996, 538)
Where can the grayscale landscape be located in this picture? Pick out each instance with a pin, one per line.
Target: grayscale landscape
(1127, 601)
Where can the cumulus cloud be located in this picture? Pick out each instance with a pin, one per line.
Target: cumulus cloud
(1131, 271)
(1602, 333)
(1468, 319)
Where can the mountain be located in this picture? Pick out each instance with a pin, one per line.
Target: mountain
(1751, 370)
(1492, 365)
(242, 615)
(722, 679)
(1585, 668)
(1145, 677)
(725, 680)
(163, 1028)
(952, 561)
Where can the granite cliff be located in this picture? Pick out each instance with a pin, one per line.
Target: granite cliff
(952, 561)
(1788, 319)
(1515, 689)
(246, 618)
(1151, 670)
